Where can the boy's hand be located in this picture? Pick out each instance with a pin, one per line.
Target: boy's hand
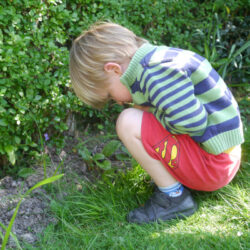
(143, 108)
(132, 105)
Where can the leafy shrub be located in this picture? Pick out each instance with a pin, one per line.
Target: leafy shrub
(34, 78)
(35, 37)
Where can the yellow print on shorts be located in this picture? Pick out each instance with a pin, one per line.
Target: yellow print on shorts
(169, 150)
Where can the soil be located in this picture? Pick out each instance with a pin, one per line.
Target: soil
(34, 213)
(32, 217)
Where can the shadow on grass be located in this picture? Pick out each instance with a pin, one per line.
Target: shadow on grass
(194, 240)
(172, 235)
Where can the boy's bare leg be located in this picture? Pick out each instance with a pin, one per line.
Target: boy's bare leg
(160, 206)
(129, 131)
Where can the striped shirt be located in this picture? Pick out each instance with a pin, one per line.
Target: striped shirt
(186, 95)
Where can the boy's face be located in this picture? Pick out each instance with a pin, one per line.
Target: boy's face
(116, 90)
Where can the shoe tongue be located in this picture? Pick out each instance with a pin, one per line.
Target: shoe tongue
(161, 199)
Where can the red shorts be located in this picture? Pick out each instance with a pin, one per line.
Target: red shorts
(185, 160)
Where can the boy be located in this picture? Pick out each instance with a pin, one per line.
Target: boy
(185, 128)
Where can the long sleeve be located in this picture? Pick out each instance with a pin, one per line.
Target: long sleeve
(171, 93)
(186, 95)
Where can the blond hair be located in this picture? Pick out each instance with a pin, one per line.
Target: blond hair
(101, 43)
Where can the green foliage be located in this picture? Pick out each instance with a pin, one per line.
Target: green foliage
(229, 54)
(25, 172)
(111, 147)
(102, 159)
(34, 80)
(35, 37)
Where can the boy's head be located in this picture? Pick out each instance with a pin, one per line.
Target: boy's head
(91, 51)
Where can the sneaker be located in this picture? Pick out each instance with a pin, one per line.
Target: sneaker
(161, 207)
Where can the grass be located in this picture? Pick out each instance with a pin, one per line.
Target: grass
(95, 216)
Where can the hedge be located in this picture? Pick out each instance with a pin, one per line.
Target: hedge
(35, 37)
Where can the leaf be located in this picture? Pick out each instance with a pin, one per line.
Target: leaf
(242, 48)
(207, 52)
(3, 123)
(125, 150)
(25, 172)
(37, 98)
(98, 157)
(12, 235)
(111, 147)
(17, 140)
(219, 62)
(231, 51)
(29, 93)
(2, 110)
(228, 10)
(85, 154)
(43, 182)
(10, 150)
(33, 145)
(122, 157)
(232, 55)
(105, 165)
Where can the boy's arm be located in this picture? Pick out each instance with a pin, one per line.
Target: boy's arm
(176, 105)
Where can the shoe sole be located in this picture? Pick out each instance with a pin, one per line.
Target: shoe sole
(180, 215)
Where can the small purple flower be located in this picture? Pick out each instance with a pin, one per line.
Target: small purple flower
(46, 136)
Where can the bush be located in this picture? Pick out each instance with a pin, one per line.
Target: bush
(34, 81)
(35, 37)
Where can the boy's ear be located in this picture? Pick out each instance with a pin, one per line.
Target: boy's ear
(111, 67)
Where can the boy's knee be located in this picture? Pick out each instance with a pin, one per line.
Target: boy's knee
(124, 120)
(129, 122)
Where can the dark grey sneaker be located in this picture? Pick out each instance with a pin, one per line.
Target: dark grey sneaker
(160, 207)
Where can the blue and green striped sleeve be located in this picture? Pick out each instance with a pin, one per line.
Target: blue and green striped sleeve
(171, 92)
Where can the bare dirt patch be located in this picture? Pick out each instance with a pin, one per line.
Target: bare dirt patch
(34, 213)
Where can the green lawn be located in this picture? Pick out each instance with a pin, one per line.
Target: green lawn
(95, 216)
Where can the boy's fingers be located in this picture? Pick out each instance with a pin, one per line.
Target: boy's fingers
(132, 105)
(143, 108)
